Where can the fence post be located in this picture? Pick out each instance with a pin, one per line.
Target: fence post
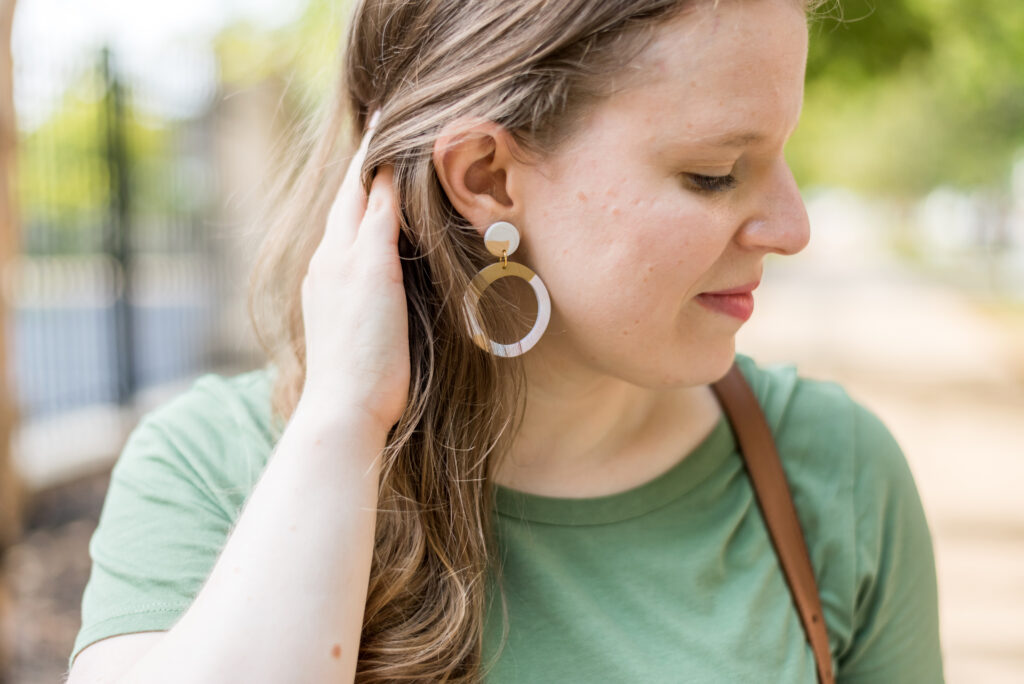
(116, 238)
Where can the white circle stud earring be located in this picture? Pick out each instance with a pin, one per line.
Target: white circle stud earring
(502, 240)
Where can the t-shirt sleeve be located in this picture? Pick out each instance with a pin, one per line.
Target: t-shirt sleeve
(167, 514)
(895, 613)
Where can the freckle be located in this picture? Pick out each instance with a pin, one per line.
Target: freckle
(581, 196)
(336, 651)
(615, 211)
(693, 84)
(565, 251)
(650, 268)
(644, 279)
(637, 321)
(689, 125)
(317, 442)
(625, 333)
(292, 528)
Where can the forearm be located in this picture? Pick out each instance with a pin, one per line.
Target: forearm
(285, 599)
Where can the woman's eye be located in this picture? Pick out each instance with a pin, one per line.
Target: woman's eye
(712, 183)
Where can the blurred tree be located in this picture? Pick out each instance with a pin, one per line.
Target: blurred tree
(63, 183)
(909, 94)
(303, 54)
(857, 41)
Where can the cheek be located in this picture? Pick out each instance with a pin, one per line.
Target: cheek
(616, 256)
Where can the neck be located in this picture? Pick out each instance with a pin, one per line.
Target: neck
(585, 433)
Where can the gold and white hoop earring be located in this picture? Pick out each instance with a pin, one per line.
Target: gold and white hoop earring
(502, 240)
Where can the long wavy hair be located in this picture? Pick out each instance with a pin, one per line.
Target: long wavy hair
(534, 67)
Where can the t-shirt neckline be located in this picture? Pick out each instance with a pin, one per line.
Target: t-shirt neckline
(672, 484)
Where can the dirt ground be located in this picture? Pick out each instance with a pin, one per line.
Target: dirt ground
(46, 573)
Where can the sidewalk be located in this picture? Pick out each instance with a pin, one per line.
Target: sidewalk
(949, 383)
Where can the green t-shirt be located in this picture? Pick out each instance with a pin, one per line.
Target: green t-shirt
(674, 580)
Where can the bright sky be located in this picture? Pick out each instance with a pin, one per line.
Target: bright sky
(167, 41)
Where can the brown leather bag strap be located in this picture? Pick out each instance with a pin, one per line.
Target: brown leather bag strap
(776, 503)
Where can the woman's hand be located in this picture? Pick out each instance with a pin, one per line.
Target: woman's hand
(353, 304)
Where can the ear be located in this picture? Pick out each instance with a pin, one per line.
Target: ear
(475, 163)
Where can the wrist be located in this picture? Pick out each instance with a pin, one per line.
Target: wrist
(341, 416)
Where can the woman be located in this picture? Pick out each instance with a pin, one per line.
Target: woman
(445, 504)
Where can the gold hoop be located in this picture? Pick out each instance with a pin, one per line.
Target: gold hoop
(475, 291)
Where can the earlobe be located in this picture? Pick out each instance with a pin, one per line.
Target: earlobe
(472, 160)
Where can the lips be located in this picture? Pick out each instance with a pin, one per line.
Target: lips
(739, 306)
(737, 302)
(741, 289)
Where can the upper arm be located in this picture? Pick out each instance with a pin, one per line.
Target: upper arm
(896, 624)
(110, 659)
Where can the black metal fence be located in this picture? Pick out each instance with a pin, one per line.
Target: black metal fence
(116, 288)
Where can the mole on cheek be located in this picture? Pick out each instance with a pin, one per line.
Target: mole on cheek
(581, 196)
(336, 651)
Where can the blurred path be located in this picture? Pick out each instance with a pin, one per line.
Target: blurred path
(948, 380)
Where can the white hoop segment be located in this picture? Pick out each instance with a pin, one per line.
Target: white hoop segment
(475, 291)
(501, 238)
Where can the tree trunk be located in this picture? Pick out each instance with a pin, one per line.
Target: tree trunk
(11, 493)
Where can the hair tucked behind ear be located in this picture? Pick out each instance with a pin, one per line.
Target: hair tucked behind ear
(532, 66)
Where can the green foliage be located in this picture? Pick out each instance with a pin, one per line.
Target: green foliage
(860, 40)
(61, 173)
(916, 94)
(305, 54)
(64, 184)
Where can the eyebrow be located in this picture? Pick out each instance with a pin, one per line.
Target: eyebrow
(733, 139)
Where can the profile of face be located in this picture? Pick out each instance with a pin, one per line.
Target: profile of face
(673, 186)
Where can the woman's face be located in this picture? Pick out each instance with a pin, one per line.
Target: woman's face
(617, 222)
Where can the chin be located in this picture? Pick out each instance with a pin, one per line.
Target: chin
(724, 360)
(686, 369)
(709, 364)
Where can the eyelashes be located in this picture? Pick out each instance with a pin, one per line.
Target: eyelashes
(711, 184)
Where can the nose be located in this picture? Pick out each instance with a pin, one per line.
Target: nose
(780, 223)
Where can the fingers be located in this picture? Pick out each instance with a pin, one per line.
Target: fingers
(380, 225)
(350, 202)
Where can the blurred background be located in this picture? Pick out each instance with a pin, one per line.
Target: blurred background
(136, 140)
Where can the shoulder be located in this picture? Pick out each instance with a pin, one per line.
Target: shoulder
(215, 401)
(855, 496)
(176, 489)
(215, 437)
(836, 450)
(819, 426)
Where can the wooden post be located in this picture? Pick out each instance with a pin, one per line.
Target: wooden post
(11, 493)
